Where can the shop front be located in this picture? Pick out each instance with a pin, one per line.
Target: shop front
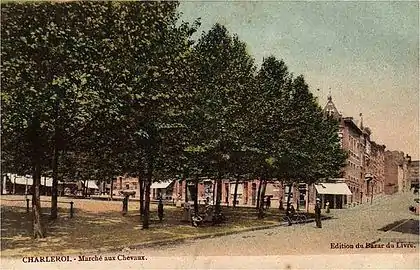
(333, 193)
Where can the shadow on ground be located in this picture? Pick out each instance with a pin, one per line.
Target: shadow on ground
(89, 231)
(409, 226)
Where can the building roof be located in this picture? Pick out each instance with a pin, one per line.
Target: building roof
(351, 123)
(330, 109)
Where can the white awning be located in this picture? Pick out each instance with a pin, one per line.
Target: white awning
(333, 188)
(91, 184)
(163, 184)
(21, 180)
(27, 180)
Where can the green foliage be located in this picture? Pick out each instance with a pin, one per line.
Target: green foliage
(224, 74)
(290, 138)
(120, 88)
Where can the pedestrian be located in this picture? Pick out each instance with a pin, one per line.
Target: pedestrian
(281, 204)
(125, 204)
(327, 207)
(318, 213)
(160, 209)
(292, 210)
(268, 202)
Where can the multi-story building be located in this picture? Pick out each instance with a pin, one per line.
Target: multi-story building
(396, 172)
(355, 140)
(375, 170)
(413, 174)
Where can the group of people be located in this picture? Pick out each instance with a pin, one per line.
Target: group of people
(290, 210)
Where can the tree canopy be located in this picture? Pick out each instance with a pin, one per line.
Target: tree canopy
(102, 89)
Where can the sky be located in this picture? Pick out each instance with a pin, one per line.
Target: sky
(365, 53)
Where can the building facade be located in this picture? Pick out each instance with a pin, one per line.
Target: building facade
(375, 169)
(413, 174)
(396, 172)
(355, 140)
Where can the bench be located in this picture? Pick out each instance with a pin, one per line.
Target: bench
(295, 218)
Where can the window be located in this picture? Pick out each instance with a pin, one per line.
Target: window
(127, 186)
(330, 112)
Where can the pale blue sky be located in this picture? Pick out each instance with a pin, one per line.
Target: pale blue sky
(366, 52)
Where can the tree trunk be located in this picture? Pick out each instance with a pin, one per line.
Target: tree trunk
(214, 192)
(38, 230)
(186, 190)
(218, 208)
(146, 212)
(146, 204)
(288, 200)
(2, 183)
(111, 189)
(235, 194)
(54, 188)
(196, 195)
(258, 194)
(56, 153)
(141, 187)
(150, 166)
(307, 199)
(262, 195)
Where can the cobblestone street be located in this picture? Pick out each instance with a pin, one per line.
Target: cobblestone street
(360, 224)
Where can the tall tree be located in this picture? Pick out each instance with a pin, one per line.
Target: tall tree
(297, 142)
(52, 55)
(224, 73)
(146, 65)
(320, 155)
(271, 130)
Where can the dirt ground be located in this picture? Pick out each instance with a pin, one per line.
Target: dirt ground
(98, 225)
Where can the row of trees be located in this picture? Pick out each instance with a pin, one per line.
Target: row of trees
(92, 90)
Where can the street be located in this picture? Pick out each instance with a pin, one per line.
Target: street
(294, 247)
(347, 228)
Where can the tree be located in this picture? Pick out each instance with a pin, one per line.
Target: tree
(28, 94)
(270, 130)
(53, 54)
(146, 66)
(290, 139)
(224, 73)
(320, 155)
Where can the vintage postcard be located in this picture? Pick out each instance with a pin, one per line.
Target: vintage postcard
(210, 135)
